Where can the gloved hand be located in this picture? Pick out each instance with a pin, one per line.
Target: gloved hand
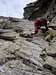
(33, 33)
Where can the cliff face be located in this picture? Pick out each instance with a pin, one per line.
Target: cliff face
(40, 8)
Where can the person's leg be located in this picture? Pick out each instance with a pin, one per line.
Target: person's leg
(46, 27)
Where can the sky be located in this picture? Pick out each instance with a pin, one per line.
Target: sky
(13, 8)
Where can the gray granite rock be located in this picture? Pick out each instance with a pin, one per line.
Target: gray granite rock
(19, 56)
(50, 64)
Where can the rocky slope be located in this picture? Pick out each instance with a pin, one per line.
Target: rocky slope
(40, 8)
(21, 55)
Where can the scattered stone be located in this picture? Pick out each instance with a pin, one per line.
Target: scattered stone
(4, 31)
(52, 50)
(50, 64)
(10, 36)
(13, 19)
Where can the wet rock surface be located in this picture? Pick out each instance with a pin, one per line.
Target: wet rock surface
(25, 56)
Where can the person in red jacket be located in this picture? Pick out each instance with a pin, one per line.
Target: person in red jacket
(39, 23)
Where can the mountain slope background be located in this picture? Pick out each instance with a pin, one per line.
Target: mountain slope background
(40, 8)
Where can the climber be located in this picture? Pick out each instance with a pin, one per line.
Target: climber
(40, 24)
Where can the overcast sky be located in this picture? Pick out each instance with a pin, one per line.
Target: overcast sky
(13, 8)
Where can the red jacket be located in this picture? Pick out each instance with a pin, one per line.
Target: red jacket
(38, 23)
